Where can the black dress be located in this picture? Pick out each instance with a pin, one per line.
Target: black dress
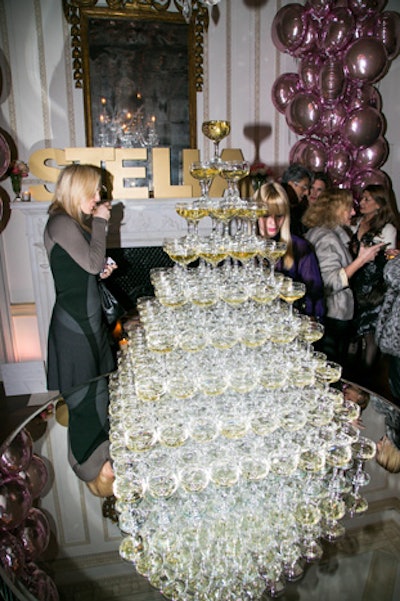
(368, 287)
(78, 345)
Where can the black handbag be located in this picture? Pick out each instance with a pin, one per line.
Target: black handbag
(112, 309)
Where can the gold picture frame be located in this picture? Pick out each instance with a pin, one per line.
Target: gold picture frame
(142, 57)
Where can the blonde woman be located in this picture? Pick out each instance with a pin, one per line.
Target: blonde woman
(388, 447)
(299, 262)
(78, 346)
(326, 221)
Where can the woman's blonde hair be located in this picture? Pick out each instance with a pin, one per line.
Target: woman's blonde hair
(275, 198)
(388, 457)
(75, 184)
(325, 211)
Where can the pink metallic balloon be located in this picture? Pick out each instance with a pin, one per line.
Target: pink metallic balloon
(337, 30)
(34, 534)
(388, 31)
(303, 113)
(18, 454)
(332, 119)
(39, 584)
(363, 127)
(360, 7)
(12, 555)
(319, 7)
(284, 89)
(309, 69)
(15, 502)
(366, 25)
(373, 156)
(309, 43)
(339, 162)
(288, 27)
(296, 152)
(36, 476)
(363, 178)
(309, 152)
(331, 80)
(366, 60)
(360, 95)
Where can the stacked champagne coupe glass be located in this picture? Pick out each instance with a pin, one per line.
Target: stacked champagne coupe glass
(234, 455)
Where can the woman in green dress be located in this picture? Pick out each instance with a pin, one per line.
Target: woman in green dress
(79, 351)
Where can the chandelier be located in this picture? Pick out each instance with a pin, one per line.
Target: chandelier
(187, 6)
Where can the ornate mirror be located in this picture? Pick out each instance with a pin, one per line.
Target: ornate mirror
(140, 65)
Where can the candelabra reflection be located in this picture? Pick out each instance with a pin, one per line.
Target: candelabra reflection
(125, 128)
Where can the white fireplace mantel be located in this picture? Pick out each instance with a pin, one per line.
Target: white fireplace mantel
(133, 224)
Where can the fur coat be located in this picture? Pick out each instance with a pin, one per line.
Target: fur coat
(387, 332)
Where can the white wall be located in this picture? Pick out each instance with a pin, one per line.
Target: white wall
(40, 108)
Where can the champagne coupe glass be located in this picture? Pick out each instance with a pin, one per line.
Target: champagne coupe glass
(291, 291)
(255, 211)
(233, 172)
(180, 250)
(213, 251)
(223, 212)
(192, 212)
(273, 250)
(204, 172)
(310, 332)
(328, 373)
(363, 450)
(216, 131)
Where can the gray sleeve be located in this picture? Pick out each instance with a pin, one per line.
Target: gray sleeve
(331, 263)
(66, 232)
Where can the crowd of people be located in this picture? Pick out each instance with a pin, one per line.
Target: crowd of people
(345, 254)
(345, 251)
(341, 248)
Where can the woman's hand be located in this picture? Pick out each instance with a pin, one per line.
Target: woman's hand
(391, 253)
(102, 210)
(109, 266)
(367, 254)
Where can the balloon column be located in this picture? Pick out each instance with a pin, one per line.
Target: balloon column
(24, 528)
(344, 47)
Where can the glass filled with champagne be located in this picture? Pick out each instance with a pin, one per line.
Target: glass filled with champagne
(216, 131)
